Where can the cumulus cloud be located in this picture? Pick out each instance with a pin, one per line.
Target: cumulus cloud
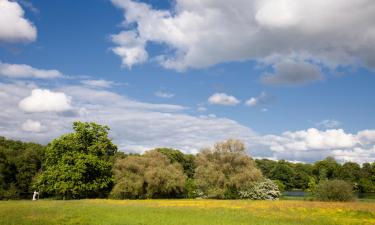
(32, 126)
(131, 48)
(199, 34)
(13, 25)
(43, 100)
(138, 126)
(98, 83)
(313, 144)
(262, 99)
(223, 99)
(26, 71)
(162, 94)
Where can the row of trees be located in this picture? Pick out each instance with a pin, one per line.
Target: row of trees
(86, 164)
(301, 175)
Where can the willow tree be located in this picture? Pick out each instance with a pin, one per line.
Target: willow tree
(151, 175)
(225, 169)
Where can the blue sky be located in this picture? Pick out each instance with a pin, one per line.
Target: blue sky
(291, 84)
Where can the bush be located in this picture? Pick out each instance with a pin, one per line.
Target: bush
(334, 190)
(264, 190)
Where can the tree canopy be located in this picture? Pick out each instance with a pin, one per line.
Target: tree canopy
(78, 164)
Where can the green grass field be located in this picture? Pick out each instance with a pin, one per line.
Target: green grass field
(176, 212)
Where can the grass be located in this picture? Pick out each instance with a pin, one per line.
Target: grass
(185, 212)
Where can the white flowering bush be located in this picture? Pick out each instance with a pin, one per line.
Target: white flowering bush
(263, 190)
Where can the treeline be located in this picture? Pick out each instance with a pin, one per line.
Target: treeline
(86, 164)
(301, 176)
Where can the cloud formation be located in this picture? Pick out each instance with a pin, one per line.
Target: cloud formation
(43, 100)
(223, 99)
(313, 34)
(14, 26)
(138, 126)
(26, 71)
(313, 144)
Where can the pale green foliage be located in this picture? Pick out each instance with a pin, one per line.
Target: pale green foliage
(78, 164)
(263, 190)
(334, 190)
(151, 175)
(224, 170)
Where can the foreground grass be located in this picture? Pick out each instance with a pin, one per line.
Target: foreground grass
(187, 212)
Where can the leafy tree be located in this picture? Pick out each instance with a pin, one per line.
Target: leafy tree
(326, 169)
(78, 164)
(284, 173)
(186, 160)
(224, 170)
(266, 166)
(19, 163)
(350, 171)
(151, 175)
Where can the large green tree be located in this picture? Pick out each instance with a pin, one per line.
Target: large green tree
(78, 164)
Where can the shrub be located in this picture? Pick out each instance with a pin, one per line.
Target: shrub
(334, 190)
(264, 190)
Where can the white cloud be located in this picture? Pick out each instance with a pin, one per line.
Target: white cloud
(32, 126)
(138, 126)
(328, 124)
(26, 71)
(223, 99)
(43, 100)
(131, 48)
(262, 99)
(98, 83)
(13, 25)
(313, 144)
(199, 34)
(135, 125)
(162, 94)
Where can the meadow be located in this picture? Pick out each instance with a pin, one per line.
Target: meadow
(176, 212)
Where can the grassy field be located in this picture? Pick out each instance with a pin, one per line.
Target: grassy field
(176, 212)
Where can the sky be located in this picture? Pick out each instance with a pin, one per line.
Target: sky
(292, 79)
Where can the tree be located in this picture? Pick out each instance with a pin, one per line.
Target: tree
(326, 169)
(78, 164)
(176, 156)
(19, 163)
(350, 171)
(224, 170)
(284, 173)
(151, 175)
(266, 166)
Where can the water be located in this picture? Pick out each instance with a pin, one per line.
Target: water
(298, 193)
